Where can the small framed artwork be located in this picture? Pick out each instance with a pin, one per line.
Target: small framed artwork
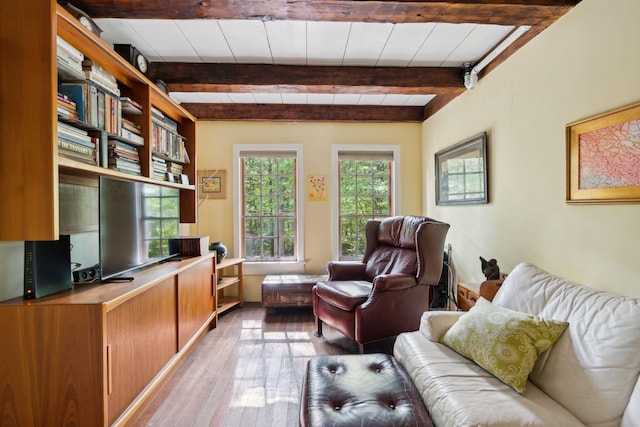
(603, 157)
(212, 184)
(317, 188)
(461, 172)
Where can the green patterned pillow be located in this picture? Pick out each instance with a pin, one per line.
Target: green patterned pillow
(506, 343)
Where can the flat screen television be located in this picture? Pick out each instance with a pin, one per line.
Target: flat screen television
(136, 221)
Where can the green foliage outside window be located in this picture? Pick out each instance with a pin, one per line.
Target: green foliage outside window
(269, 208)
(365, 193)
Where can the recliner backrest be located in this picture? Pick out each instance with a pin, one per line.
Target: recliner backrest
(391, 246)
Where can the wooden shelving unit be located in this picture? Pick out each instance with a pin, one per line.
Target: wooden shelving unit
(29, 120)
(229, 274)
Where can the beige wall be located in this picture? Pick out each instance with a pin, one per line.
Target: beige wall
(215, 151)
(584, 64)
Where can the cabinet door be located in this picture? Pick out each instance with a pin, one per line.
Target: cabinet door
(195, 299)
(141, 338)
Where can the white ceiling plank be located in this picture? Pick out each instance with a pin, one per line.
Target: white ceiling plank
(294, 98)
(371, 99)
(346, 98)
(365, 43)
(443, 40)
(326, 42)
(166, 39)
(477, 44)
(404, 42)
(288, 42)
(120, 31)
(320, 98)
(247, 40)
(418, 100)
(268, 98)
(206, 38)
(395, 99)
(242, 98)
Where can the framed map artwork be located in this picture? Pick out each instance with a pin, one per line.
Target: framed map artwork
(603, 157)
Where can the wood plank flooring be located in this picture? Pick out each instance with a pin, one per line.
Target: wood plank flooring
(248, 371)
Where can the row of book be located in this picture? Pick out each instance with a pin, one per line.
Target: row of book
(165, 138)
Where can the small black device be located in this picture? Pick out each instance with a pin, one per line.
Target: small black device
(47, 266)
(133, 56)
(87, 275)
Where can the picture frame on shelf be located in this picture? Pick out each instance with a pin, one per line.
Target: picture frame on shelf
(461, 172)
(212, 184)
(603, 153)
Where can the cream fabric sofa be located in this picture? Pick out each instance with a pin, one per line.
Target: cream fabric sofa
(588, 377)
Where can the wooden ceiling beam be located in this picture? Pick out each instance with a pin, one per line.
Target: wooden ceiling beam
(306, 113)
(500, 12)
(240, 78)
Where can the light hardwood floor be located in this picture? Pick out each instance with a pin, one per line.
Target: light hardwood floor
(248, 371)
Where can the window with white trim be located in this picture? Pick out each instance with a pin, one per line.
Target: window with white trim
(269, 205)
(365, 191)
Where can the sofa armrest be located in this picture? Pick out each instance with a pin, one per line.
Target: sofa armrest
(434, 324)
(393, 282)
(346, 270)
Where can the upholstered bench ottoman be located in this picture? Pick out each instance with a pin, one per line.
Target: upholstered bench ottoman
(289, 290)
(371, 390)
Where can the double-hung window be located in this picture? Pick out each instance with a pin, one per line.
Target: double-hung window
(365, 190)
(269, 205)
(161, 217)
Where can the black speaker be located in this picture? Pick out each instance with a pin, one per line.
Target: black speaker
(47, 266)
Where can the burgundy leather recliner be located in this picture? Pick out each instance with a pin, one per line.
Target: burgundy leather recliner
(388, 291)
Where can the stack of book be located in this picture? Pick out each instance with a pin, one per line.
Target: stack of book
(129, 106)
(131, 131)
(95, 106)
(76, 144)
(69, 59)
(67, 108)
(159, 168)
(175, 168)
(166, 139)
(100, 76)
(124, 157)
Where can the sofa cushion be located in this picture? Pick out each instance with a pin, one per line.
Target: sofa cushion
(506, 343)
(459, 393)
(598, 353)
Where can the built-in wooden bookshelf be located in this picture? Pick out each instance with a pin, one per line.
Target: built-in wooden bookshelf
(29, 120)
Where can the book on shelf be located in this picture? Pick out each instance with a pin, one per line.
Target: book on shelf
(121, 149)
(129, 106)
(133, 137)
(131, 126)
(100, 76)
(78, 152)
(125, 165)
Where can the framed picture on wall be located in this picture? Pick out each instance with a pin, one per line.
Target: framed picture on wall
(461, 172)
(212, 184)
(603, 157)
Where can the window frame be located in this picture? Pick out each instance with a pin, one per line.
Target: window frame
(335, 184)
(275, 266)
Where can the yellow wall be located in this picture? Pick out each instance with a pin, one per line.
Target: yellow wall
(215, 151)
(584, 64)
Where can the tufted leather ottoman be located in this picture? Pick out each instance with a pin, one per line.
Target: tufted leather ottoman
(370, 390)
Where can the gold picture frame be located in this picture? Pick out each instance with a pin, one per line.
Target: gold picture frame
(603, 157)
(212, 184)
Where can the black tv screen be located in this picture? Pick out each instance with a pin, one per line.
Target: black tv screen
(136, 221)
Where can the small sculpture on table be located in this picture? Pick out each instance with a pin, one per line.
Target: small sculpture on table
(490, 269)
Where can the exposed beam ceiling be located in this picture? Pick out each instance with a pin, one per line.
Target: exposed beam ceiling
(442, 83)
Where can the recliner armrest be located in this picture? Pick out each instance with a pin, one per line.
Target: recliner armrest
(346, 270)
(393, 282)
(434, 324)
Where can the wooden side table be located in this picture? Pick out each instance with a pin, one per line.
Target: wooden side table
(468, 293)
